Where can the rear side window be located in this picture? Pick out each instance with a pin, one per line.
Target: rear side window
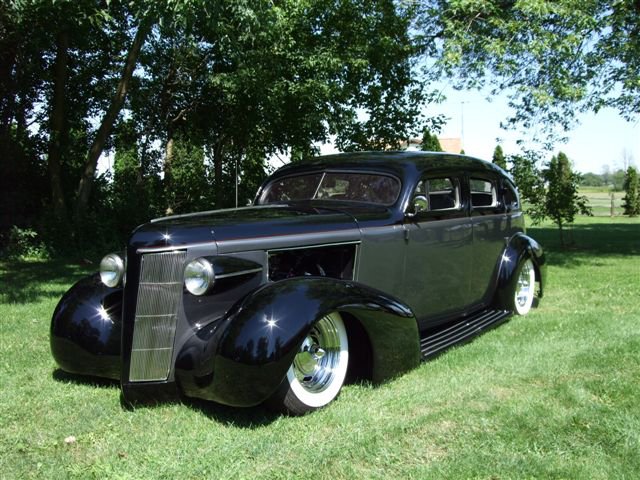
(483, 193)
(442, 193)
(510, 197)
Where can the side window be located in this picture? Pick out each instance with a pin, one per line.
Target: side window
(441, 194)
(483, 193)
(510, 197)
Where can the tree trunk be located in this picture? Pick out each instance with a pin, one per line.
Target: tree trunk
(58, 123)
(8, 87)
(561, 234)
(117, 101)
(217, 173)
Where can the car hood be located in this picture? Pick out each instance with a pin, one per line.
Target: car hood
(260, 227)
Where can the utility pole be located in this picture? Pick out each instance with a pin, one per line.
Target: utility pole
(462, 124)
(236, 181)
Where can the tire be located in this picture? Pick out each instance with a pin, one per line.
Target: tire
(318, 370)
(524, 291)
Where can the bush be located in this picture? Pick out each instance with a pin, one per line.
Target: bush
(24, 243)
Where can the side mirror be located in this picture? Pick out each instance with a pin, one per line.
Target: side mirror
(419, 204)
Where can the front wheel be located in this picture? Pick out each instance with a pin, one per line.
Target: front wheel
(318, 370)
(524, 291)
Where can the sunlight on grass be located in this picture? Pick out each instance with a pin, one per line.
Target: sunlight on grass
(550, 395)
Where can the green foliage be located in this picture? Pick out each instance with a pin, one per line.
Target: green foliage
(562, 201)
(631, 200)
(24, 243)
(135, 193)
(592, 180)
(551, 192)
(215, 85)
(530, 184)
(190, 187)
(499, 158)
(613, 180)
(553, 58)
(430, 142)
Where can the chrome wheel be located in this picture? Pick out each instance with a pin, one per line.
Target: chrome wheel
(320, 366)
(525, 288)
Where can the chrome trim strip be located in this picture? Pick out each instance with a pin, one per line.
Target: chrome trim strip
(336, 244)
(490, 215)
(356, 262)
(208, 212)
(173, 248)
(237, 274)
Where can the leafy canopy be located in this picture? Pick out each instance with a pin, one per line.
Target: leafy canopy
(553, 58)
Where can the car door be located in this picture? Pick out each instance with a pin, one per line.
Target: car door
(491, 225)
(438, 251)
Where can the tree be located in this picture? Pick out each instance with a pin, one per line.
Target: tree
(498, 157)
(590, 179)
(204, 90)
(528, 178)
(553, 58)
(617, 180)
(631, 200)
(110, 115)
(562, 202)
(430, 142)
(250, 82)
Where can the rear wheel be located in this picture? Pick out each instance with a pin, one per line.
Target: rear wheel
(524, 291)
(318, 370)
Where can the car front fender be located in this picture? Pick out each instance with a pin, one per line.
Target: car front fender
(241, 359)
(517, 248)
(86, 327)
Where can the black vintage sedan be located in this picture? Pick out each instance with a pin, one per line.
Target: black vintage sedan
(346, 266)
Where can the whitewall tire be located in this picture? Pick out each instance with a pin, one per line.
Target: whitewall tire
(524, 291)
(318, 370)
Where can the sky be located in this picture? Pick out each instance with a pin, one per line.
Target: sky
(599, 139)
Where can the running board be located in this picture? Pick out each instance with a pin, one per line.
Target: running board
(435, 340)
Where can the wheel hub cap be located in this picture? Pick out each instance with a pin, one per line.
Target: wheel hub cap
(313, 365)
(524, 285)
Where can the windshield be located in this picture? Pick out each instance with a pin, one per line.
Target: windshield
(358, 187)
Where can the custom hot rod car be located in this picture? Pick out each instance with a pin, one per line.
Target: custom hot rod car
(351, 265)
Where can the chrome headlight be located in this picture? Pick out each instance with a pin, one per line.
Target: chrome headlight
(111, 270)
(199, 276)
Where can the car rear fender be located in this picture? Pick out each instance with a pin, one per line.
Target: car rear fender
(517, 248)
(242, 359)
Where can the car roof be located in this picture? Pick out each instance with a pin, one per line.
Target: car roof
(398, 163)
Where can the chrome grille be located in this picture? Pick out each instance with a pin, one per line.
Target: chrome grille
(159, 293)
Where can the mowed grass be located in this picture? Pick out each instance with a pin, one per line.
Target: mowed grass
(550, 395)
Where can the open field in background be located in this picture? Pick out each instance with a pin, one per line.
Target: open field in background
(550, 395)
(600, 201)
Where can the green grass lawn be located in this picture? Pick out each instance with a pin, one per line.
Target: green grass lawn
(550, 395)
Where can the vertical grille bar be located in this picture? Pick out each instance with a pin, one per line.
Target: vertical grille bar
(159, 293)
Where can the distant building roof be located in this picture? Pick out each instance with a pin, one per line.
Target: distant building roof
(451, 144)
(448, 144)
